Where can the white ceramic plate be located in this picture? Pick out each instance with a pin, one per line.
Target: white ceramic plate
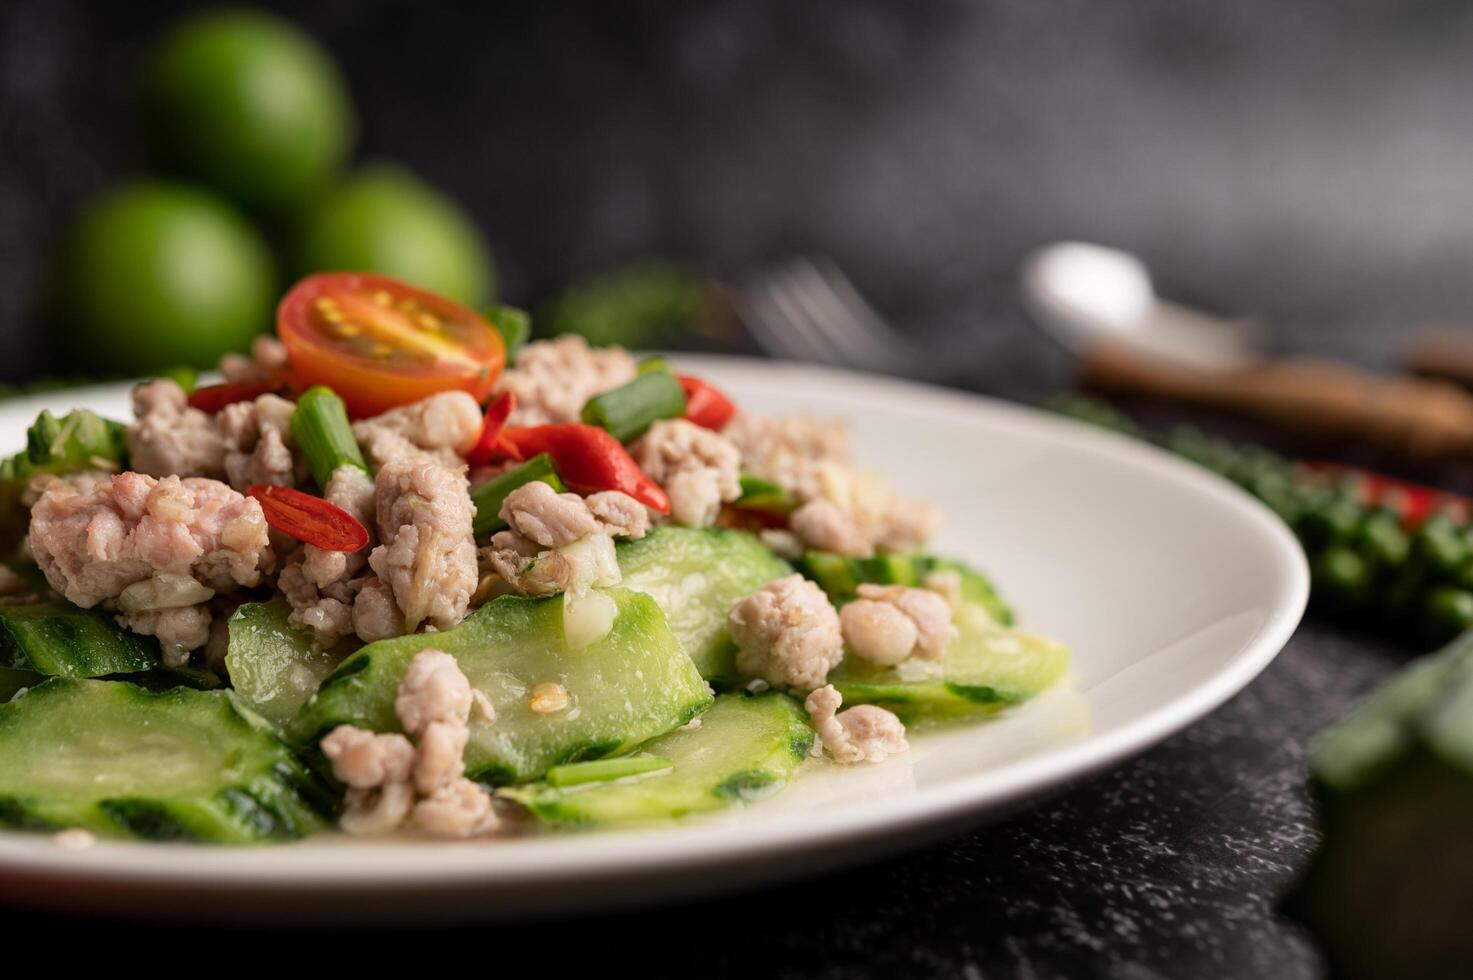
(1174, 589)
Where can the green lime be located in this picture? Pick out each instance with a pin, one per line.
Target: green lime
(157, 274)
(250, 105)
(386, 220)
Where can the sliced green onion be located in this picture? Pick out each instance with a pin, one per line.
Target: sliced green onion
(320, 425)
(489, 496)
(604, 770)
(514, 325)
(760, 494)
(630, 409)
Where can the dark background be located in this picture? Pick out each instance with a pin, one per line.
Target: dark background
(1308, 162)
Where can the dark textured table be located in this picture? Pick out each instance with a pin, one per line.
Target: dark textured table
(1308, 162)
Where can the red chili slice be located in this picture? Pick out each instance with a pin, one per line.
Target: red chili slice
(211, 398)
(310, 519)
(589, 460)
(705, 404)
(491, 440)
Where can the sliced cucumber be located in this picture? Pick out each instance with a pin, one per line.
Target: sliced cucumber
(745, 748)
(61, 640)
(626, 688)
(986, 668)
(841, 577)
(113, 758)
(275, 667)
(696, 574)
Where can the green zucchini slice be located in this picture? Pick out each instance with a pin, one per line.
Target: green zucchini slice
(745, 748)
(113, 758)
(632, 685)
(696, 575)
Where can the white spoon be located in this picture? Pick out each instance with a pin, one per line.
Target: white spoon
(1089, 296)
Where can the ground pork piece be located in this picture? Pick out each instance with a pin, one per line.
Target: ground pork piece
(266, 362)
(460, 808)
(697, 468)
(878, 632)
(789, 451)
(524, 568)
(864, 733)
(906, 525)
(620, 515)
(82, 481)
(542, 515)
(553, 379)
(433, 689)
(434, 703)
(787, 634)
(178, 630)
(823, 525)
(373, 812)
(92, 546)
(428, 554)
(928, 612)
(258, 442)
(439, 760)
(376, 616)
(170, 438)
(352, 489)
(327, 611)
(444, 427)
(589, 562)
(366, 760)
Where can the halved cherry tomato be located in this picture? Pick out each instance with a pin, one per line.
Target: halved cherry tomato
(380, 343)
(705, 405)
(588, 459)
(309, 519)
(211, 398)
(491, 440)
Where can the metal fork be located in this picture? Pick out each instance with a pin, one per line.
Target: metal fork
(808, 310)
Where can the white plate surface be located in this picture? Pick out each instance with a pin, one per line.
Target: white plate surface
(1173, 587)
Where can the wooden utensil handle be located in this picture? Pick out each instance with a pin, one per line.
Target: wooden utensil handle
(1413, 416)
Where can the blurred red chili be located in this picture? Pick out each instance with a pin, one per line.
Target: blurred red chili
(705, 405)
(588, 459)
(309, 519)
(211, 398)
(1414, 502)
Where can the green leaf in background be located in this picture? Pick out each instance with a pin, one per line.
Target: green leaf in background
(639, 306)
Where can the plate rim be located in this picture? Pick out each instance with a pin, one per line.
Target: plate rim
(625, 854)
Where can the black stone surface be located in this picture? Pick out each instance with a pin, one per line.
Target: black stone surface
(1308, 162)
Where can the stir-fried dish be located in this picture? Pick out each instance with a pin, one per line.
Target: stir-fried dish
(403, 570)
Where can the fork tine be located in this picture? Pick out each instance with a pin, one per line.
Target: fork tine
(803, 332)
(845, 327)
(880, 334)
(769, 323)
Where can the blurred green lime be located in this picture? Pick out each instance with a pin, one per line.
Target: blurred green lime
(384, 219)
(156, 274)
(250, 105)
